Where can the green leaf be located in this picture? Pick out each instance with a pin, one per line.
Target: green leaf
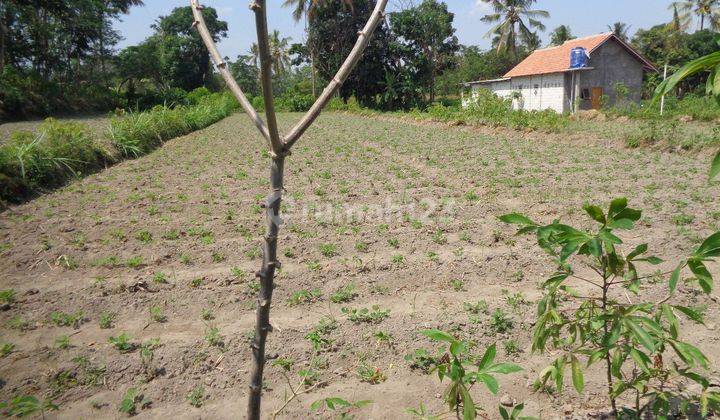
(609, 238)
(503, 413)
(709, 248)
(333, 402)
(596, 355)
(577, 375)
(641, 359)
(490, 382)
(690, 354)
(488, 357)
(555, 281)
(616, 206)
(671, 318)
(594, 247)
(614, 334)
(517, 219)
(517, 410)
(595, 212)
(715, 166)
(639, 250)
(503, 368)
(675, 277)
(651, 260)
(438, 335)
(624, 224)
(640, 334)
(693, 315)
(468, 405)
(696, 66)
(702, 274)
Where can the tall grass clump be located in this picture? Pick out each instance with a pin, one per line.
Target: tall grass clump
(34, 162)
(137, 133)
(47, 158)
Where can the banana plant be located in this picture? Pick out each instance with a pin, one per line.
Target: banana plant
(611, 319)
(711, 63)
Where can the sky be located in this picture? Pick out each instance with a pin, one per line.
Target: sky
(585, 17)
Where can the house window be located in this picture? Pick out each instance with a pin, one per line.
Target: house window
(585, 94)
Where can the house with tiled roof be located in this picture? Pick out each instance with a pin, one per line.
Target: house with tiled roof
(611, 71)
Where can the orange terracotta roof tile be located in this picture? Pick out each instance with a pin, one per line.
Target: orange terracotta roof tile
(557, 59)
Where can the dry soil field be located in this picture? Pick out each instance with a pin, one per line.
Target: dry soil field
(380, 212)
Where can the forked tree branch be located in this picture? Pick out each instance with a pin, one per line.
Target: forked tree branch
(279, 149)
(223, 69)
(340, 77)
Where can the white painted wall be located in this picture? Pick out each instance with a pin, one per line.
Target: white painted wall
(539, 92)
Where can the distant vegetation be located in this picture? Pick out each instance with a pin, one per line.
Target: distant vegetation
(48, 68)
(31, 162)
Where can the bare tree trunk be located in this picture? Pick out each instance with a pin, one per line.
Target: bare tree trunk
(266, 276)
(272, 212)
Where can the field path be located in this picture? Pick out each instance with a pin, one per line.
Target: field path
(398, 214)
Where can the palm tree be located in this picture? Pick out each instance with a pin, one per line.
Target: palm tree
(510, 14)
(620, 30)
(279, 51)
(305, 8)
(561, 34)
(705, 9)
(532, 42)
(679, 24)
(255, 53)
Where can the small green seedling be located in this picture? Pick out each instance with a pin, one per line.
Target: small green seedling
(375, 315)
(335, 404)
(27, 405)
(157, 314)
(122, 343)
(196, 396)
(62, 319)
(455, 365)
(106, 320)
(344, 294)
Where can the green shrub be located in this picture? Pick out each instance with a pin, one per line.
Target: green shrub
(702, 108)
(491, 110)
(258, 103)
(294, 102)
(197, 95)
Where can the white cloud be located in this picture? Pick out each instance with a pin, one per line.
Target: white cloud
(481, 7)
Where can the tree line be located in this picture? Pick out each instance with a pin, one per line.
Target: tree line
(61, 55)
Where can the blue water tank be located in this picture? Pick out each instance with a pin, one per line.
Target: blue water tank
(578, 58)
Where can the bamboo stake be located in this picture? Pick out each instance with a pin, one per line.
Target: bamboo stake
(340, 77)
(279, 150)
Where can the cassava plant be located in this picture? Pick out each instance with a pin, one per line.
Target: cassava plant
(463, 370)
(611, 318)
(279, 149)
